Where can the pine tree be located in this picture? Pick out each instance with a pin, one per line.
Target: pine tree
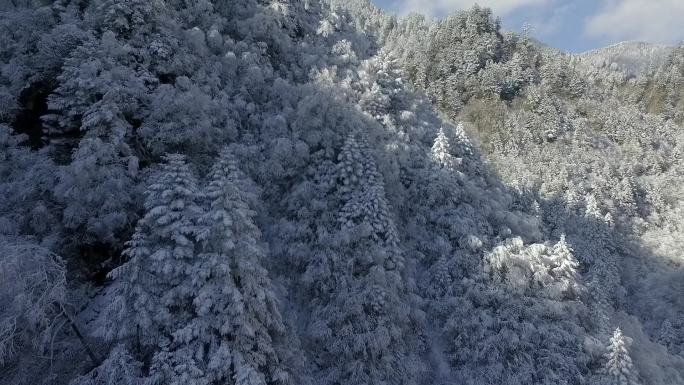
(441, 151)
(120, 368)
(99, 191)
(199, 297)
(236, 307)
(361, 328)
(464, 148)
(161, 254)
(592, 210)
(667, 335)
(618, 369)
(365, 200)
(565, 267)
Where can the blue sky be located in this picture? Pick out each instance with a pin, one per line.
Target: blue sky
(572, 25)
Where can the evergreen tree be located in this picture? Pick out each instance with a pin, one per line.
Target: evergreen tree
(362, 327)
(464, 147)
(441, 151)
(162, 252)
(99, 192)
(237, 311)
(618, 369)
(565, 268)
(667, 335)
(120, 368)
(199, 296)
(364, 199)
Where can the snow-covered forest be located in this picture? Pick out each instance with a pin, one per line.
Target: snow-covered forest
(315, 192)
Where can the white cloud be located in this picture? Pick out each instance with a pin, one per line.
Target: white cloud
(656, 21)
(552, 21)
(441, 7)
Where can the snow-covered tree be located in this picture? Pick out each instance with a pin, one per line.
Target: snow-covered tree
(464, 148)
(237, 311)
(27, 181)
(33, 294)
(162, 252)
(618, 369)
(441, 151)
(667, 336)
(198, 293)
(184, 117)
(364, 198)
(362, 329)
(521, 277)
(99, 192)
(95, 77)
(120, 368)
(565, 268)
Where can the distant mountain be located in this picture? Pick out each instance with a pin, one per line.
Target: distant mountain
(632, 57)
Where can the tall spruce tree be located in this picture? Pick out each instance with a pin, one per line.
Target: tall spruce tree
(364, 329)
(237, 311)
(618, 369)
(157, 285)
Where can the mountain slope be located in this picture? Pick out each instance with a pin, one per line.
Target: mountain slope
(276, 192)
(632, 57)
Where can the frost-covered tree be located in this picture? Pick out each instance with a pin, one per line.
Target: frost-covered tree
(565, 268)
(519, 279)
(667, 336)
(441, 151)
(618, 369)
(464, 148)
(183, 117)
(120, 368)
(364, 198)
(380, 88)
(201, 301)
(33, 294)
(27, 181)
(362, 328)
(96, 77)
(92, 111)
(237, 311)
(162, 252)
(99, 192)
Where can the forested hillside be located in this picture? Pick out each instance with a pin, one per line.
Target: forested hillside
(263, 192)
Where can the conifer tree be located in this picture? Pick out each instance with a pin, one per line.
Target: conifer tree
(120, 368)
(365, 200)
(161, 254)
(236, 307)
(464, 148)
(441, 151)
(667, 335)
(362, 327)
(199, 294)
(565, 267)
(619, 369)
